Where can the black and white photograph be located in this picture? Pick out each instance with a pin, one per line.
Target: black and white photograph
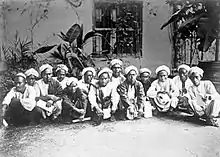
(109, 78)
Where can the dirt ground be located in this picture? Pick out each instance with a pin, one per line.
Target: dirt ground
(153, 137)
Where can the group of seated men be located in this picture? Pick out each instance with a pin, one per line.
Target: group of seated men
(109, 94)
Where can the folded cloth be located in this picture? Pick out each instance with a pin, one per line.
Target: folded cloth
(42, 104)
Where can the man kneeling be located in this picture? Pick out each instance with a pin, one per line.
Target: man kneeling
(18, 107)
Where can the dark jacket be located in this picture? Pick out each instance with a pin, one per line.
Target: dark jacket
(139, 93)
(55, 88)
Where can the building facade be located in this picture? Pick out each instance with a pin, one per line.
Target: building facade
(130, 28)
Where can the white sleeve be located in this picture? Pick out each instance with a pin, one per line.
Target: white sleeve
(152, 91)
(29, 102)
(174, 89)
(92, 97)
(115, 97)
(37, 89)
(8, 97)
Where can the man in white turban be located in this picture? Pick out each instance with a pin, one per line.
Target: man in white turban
(49, 91)
(61, 72)
(204, 99)
(163, 92)
(75, 101)
(145, 78)
(88, 79)
(31, 75)
(131, 92)
(18, 106)
(183, 83)
(103, 97)
(116, 67)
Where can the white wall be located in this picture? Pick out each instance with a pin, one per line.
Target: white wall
(156, 44)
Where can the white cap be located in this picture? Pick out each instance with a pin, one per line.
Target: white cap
(129, 68)
(184, 66)
(61, 67)
(20, 75)
(143, 70)
(196, 70)
(72, 80)
(163, 67)
(115, 61)
(44, 67)
(89, 69)
(31, 71)
(105, 70)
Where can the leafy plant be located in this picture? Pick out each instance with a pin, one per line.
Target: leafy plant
(196, 16)
(71, 51)
(19, 57)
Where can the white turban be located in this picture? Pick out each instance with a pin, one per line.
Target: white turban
(196, 70)
(61, 67)
(105, 70)
(88, 69)
(20, 75)
(72, 80)
(143, 70)
(129, 68)
(115, 61)
(31, 71)
(184, 66)
(46, 66)
(163, 67)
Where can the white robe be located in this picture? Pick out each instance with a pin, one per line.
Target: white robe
(169, 87)
(27, 98)
(178, 83)
(204, 106)
(41, 89)
(108, 90)
(63, 82)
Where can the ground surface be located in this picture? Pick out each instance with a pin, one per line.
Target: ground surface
(154, 137)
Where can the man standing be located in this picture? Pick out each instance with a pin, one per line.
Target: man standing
(18, 105)
(131, 92)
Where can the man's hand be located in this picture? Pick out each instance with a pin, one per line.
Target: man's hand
(44, 98)
(82, 111)
(113, 111)
(49, 104)
(53, 97)
(99, 111)
(3, 111)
